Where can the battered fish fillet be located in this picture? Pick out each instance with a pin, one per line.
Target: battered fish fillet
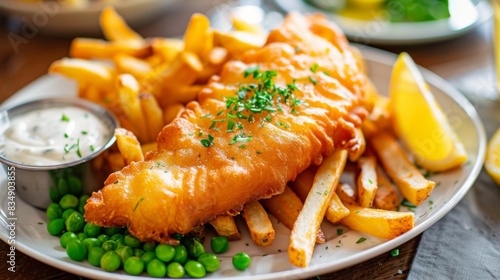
(202, 169)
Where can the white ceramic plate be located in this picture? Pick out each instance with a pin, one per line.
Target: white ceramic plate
(66, 20)
(465, 15)
(340, 251)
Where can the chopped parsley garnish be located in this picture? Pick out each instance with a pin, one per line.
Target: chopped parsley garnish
(91, 147)
(314, 68)
(64, 118)
(66, 135)
(260, 97)
(313, 80)
(240, 138)
(68, 148)
(361, 240)
(84, 132)
(137, 204)
(340, 231)
(408, 204)
(207, 142)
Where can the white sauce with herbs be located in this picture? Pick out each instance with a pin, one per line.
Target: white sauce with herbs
(53, 136)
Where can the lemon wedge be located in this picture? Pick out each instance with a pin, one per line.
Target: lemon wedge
(419, 121)
(492, 160)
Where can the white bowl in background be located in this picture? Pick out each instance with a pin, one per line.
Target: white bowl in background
(52, 18)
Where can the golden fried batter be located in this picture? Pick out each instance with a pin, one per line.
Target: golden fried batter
(217, 156)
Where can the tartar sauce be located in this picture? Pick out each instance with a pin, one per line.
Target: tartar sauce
(54, 135)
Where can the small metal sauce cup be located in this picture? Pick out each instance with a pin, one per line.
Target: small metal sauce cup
(33, 182)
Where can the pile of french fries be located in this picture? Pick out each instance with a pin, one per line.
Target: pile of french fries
(146, 83)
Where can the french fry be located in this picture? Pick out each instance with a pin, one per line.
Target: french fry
(410, 182)
(386, 196)
(238, 42)
(260, 227)
(167, 48)
(128, 98)
(85, 72)
(128, 64)
(303, 183)
(129, 146)
(378, 222)
(366, 182)
(115, 28)
(347, 193)
(357, 152)
(181, 94)
(286, 208)
(149, 147)
(115, 161)
(217, 56)
(336, 211)
(305, 229)
(172, 111)
(198, 37)
(225, 226)
(87, 48)
(153, 115)
(165, 81)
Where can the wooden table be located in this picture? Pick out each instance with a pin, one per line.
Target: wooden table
(19, 68)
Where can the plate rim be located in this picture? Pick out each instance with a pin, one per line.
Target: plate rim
(482, 7)
(371, 54)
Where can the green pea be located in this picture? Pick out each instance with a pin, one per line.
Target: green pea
(67, 212)
(56, 226)
(53, 211)
(62, 187)
(149, 246)
(76, 250)
(209, 261)
(92, 230)
(133, 266)
(181, 254)
(148, 256)
(82, 236)
(138, 252)
(175, 270)
(110, 231)
(120, 242)
(165, 252)
(219, 244)
(116, 236)
(94, 256)
(81, 203)
(125, 252)
(109, 245)
(196, 249)
(241, 260)
(110, 261)
(75, 185)
(156, 268)
(68, 201)
(195, 269)
(103, 238)
(132, 241)
(91, 242)
(75, 222)
(54, 194)
(66, 238)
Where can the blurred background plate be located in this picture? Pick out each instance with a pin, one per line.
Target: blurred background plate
(464, 16)
(67, 20)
